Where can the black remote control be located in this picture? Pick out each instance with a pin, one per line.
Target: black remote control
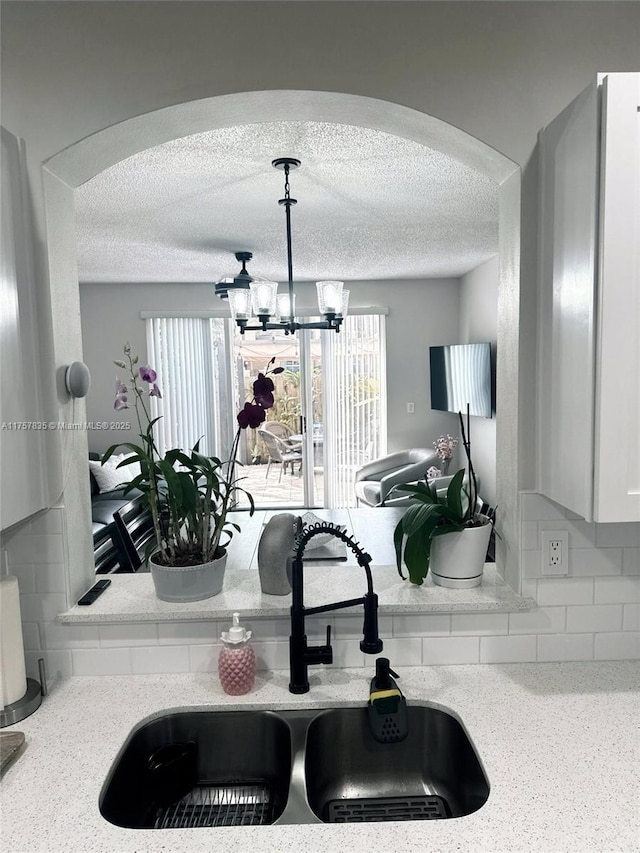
(90, 595)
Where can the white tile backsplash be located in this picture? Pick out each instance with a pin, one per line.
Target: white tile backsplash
(582, 534)
(531, 564)
(427, 625)
(594, 617)
(31, 636)
(540, 620)
(476, 624)
(43, 607)
(101, 661)
(622, 646)
(631, 561)
(26, 574)
(620, 590)
(57, 636)
(591, 562)
(450, 650)
(119, 636)
(558, 647)
(50, 578)
(58, 665)
(511, 649)
(530, 540)
(188, 633)
(159, 659)
(204, 658)
(631, 617)
(564, 591)
(37, 549)
(272, 654)
(401, 651)
(617, 535)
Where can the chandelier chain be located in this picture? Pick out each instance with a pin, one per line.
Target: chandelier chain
(287, 189)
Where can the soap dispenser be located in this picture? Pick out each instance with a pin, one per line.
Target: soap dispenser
(237, 660)
(387, 708)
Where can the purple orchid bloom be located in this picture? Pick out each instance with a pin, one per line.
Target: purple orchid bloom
(147, 374)
(251, 416)
(121, 395)
(263, 388)
(155, 392)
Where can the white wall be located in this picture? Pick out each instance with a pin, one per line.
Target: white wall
(499, 71)
(478, 324)
(421, 313)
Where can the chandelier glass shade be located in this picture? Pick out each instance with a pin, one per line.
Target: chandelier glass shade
(257, 298)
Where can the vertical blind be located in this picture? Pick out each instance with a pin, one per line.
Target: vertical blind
(188, 355)
(355, 408)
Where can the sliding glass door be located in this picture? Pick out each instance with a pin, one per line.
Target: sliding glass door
(329, 415)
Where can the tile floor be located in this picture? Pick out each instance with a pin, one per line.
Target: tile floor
(277, 489)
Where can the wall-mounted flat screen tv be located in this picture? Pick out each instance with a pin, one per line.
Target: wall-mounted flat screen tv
(461, 375)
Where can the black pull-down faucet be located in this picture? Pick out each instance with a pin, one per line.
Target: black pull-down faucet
(301, 656)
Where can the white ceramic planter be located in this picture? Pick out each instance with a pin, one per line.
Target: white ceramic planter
(188, 583)
(457, 559)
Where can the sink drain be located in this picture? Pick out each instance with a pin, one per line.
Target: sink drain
(387, 808)
(219, 805)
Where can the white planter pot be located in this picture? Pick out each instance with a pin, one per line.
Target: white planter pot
(457, 559)
(188, 583)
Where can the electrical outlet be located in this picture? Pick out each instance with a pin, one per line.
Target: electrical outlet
(411, 408)
(555, 552)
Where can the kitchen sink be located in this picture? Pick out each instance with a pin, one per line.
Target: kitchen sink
(194, 767)
(433, 773)
(240, 768)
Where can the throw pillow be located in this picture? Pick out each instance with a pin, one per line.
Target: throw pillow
(109, 476)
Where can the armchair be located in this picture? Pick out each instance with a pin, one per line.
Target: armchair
(375, 479)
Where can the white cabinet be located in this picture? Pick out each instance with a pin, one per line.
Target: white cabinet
(589, 309)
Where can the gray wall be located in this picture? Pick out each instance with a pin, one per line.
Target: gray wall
(478, 324)
(421, 313)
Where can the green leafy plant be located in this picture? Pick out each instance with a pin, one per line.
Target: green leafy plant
(189, 494)
(432, 515)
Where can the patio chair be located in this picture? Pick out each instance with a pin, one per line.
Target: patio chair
(280, 451)
(283, 432)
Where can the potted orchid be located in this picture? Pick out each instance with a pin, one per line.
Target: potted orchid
(188, 493)
(445, 446)
(444, 532)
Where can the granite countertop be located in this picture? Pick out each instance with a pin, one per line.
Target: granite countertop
(131, 598)
(559, 744)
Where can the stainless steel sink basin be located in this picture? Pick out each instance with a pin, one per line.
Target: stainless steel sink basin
(236, 768)
(433, 773)
(241, 771)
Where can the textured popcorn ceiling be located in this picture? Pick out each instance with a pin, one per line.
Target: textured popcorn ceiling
(370, 206)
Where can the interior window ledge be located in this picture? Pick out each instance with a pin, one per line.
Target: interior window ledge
(132, 598)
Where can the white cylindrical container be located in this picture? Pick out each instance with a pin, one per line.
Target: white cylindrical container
(13, 678)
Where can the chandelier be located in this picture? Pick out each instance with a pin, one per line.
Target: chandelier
(253, 297)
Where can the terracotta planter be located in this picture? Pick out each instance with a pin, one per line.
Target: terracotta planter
(188, 583)
(457, 559)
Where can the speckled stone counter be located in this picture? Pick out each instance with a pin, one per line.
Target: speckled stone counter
(559, 743)
(131, 598)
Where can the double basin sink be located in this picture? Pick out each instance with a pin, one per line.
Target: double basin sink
(235, 768)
